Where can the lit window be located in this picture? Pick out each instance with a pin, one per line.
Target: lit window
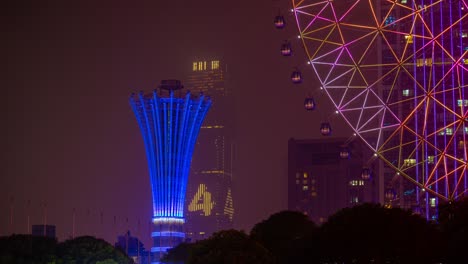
(390, 20)
(305, 188)
(461, 144)
(423, 7)
(409, 38)
(433, 202)
(448, 131)
(305, 175)
(409, 162)
(200, 66)
(195, 66)
(214, 65)
(466, 130)
(464, 34)
(204, 65)
(462, 102)
(404, 1)
(430, 159)
(424, 62)
(406, 92)
(361, 182)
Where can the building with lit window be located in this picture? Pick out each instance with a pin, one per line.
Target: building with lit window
(396, 71)
(324, 175)
(169, 126)
(209, 203)
(431, 94)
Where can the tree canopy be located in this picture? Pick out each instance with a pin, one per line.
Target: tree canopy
(29, 249)
(229, 246)
(283, 233)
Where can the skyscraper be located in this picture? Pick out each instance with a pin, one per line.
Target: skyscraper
(169, 126)
(209, 195)
(322, 179)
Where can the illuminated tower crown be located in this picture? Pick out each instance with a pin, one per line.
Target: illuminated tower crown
(169, 126)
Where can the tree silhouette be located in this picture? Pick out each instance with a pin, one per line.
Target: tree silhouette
(283, 234)
(87, 249)
(453, 219)
(371, 233)
(229, 246)
(27, 249)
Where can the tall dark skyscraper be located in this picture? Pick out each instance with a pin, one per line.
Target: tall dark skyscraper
(209, 202)
(322, 179)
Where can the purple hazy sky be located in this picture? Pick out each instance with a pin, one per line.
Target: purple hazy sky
(70, 140)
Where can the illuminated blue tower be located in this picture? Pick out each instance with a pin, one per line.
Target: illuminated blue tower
(170, 127)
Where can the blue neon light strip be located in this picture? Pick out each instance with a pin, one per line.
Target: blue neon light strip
(160, 249)
(169, 126)
(168, 234)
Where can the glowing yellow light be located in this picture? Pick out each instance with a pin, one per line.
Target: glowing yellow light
(409, 39)
(409, 162)
(228, 206)
(214, 65)
(201, 201)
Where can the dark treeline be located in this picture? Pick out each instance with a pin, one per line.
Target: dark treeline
(367, 233)
(28, 249)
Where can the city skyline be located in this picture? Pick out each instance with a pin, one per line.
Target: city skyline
(69, 130)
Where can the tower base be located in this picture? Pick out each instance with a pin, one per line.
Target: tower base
(167, 233)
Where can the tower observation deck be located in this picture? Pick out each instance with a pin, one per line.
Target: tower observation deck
(169, 126)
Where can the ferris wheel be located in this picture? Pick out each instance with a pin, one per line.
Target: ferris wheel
(397, 72)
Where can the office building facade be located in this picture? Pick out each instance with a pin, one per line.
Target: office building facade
(209, 203)
(324, 176)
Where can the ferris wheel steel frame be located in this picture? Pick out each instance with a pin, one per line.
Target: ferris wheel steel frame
(397, 72)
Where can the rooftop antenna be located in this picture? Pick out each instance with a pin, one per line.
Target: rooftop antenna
(44, 211)
(73, 223)
(29, 222)
(12, 199)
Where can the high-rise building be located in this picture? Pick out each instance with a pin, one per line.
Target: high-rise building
(169, 126)
(431, 93)
(43, 230)
(209, 196)
(133, 247)
(324, 175)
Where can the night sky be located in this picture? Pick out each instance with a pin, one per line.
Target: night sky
(70, 139)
